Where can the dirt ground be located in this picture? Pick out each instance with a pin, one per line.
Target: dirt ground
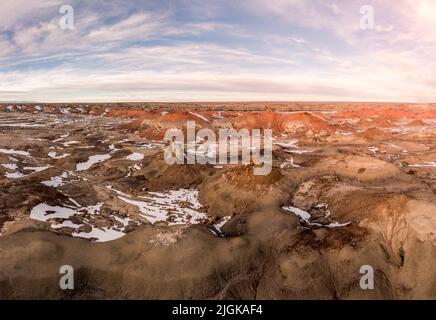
(88, 186)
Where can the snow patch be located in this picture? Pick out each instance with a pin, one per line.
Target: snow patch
(199, 116)
(11, 166)
(91, 161)
(17, 152)
(305, 217)
(135, 156)
(174, 206)
(54, 155)
(426, 164)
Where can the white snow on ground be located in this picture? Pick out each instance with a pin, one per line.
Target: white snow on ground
(53, 155)
(75, 202)
(394, 146)
(112, 148)
(222, 222)
(36, 169)
(102, 235)
(14, 175)
(297, 151)
(344, 133)
(22, 125)
(17, 174)
(178, 206)
(12, 151)
(291, 162)
(56, 181)
(305, 216)
(174, 206)
(135, 156)
(291, 146)
(288, 144)
(120, 193)
(123, 221)
(160, 207)
(135, 167)
(70, 143)
(94, 209)
(66, 223)
(219, 225)
(62, 137)
(199, 116)
(132, 169)
(44, 212)
(91, 161)
(373, 149)
(203, 150)
(149, 145)
(426, 164)
(11, 166)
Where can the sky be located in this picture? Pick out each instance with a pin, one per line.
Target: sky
(218, 50)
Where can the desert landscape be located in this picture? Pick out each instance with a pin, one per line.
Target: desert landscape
(86, 185)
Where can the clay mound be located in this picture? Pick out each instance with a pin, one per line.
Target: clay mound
(239, 191)
(375, 134)
(243, 176)
(410, 234)
(379, 122)
(128, 113)
(159, 175)
(178, 176)
(181, 117)
(387, 114)
(258, 120)
(20, 200)
(282, 122)
(309, 122)
(416, 123)
(174, 118)
(361, 168)
(153, 124)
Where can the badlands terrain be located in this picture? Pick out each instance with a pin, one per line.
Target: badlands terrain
(86, 185)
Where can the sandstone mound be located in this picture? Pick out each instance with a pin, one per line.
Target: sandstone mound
(153, 124)
(283, 122)
(361, 168)
(158, 175)
(243, 176)
(375, 134)
(417, 123)
(239, 191)
(391, 114)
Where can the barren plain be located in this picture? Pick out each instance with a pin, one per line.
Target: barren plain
(86, 185)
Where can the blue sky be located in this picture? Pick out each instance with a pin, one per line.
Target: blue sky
(181, 50)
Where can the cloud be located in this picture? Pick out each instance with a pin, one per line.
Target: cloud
(21, 12)
(181, 50)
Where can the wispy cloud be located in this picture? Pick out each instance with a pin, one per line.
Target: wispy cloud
(218, 50)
